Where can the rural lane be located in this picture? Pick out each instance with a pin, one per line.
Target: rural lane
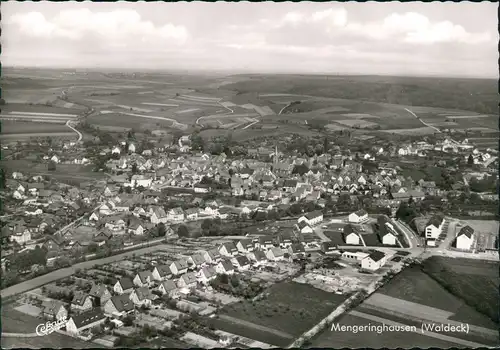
(430, 126)
(80, 136)
(68, 271)
(470, 344)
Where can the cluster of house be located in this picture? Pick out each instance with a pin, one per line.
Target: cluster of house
(434, 230)
(370, 261)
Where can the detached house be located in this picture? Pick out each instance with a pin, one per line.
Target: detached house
(99, 294)
(54, 310)
(245, 245)
(158, 215)
(434, 227)
(225, 266)
(161, 272)
(179, 267)
(275, 254)
(265, 242)
(87, 320)
(124, 285)
(297, 251)
(187, 280)
(142, 297)
(358, 217)
(303, 227)
(206, 274)
(374, 261)
(212, 256)
(143, 279)
(191, 214)
(465, 238)
(168, 287)
(228, 249)
(312, 218)
(119, 306)
(175, 214)
(196, 260)
(81, 302)
(352, 236)
(241, 262)
(257, 257)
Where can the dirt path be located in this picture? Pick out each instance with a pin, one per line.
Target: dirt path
(256, 326)
(470, 344)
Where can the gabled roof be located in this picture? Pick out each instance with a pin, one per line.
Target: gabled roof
(246, 243)
(98, 290)
(376, 255)
(163, 270)
(88, 317)
(242, 260)
(259, 255)
(297, 248)
(198, 259)
(302, 224)
(266, 239)
(79, 298)
(143, 275)
(168, 285)
(277, 252)
(349, 228)
(181, 264)
(144, 293)
(314, 214)
(436, 220)
(126, 283)
(213, 253)
(227, 265)
(466, 230)
(208, 271)
(189, 278)
(52, 307)
(122, 303)
(230, 247)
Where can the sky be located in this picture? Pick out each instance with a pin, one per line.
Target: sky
(443, 39)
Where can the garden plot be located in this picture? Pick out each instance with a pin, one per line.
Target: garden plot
(329, 281)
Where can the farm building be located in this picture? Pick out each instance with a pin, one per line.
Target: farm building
(465, 238)
(358, 217)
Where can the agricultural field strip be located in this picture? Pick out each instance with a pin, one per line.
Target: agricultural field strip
(400, 306)
(159, 104)
(187, 110)
(467, 343)
(44, 114)
(256, 326)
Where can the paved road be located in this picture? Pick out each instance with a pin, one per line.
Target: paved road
(411, 237)
(470, 344)
(66, 272)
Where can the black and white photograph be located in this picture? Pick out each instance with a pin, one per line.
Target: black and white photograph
(240, 175)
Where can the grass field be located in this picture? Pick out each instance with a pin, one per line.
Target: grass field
(475, 282)
(416, 286)
(22, 127)
(290, 307)
(374, 340)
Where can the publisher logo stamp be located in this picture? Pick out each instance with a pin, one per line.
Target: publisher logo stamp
(50, 327)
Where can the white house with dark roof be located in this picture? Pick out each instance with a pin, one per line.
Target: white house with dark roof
(142, 297)
(100, 294)
(296, 251)
(351, 235)
(241, 262)
(374, 261)
(465, 238)
(358, 217)
(168, 287)
(434, 227)
(228, 249)
(197, 260)
(161, 272)
(257, 257)
(275, 254)
(212, 256)
(179, 267)
(187, 280)
(119, 305)
(143, 279)
(158, 215)
(123, 285)
(54, 310)
(245, 245)
(265, 242)
(225, 266)
(312, 218)
(206, 274)
(175, 214)
(87, 320)
(303, 227)
(81, 302)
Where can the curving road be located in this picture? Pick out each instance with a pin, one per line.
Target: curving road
(80, 136)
